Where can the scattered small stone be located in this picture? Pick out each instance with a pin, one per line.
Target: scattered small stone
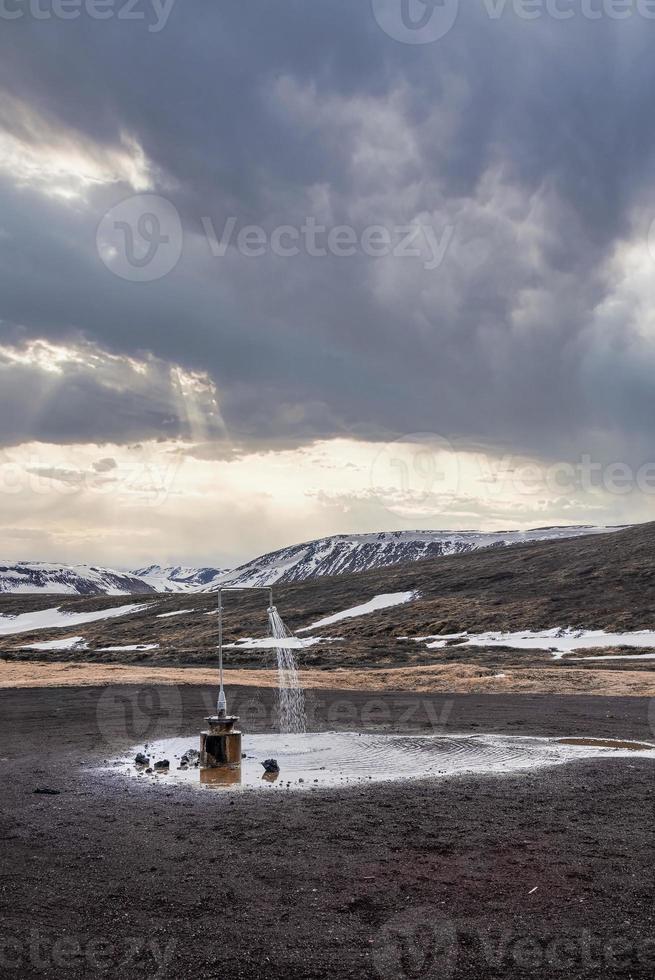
(190, 756)
(271, 765)
(149, 769)
(161, 765)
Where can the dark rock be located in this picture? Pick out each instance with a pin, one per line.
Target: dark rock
(270, 765)
(161, 765)
(191, 756)
(46, 791)
(141, 759)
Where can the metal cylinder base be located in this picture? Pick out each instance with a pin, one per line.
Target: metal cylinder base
(220, 745)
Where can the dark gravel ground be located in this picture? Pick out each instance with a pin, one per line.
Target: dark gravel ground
(541, 875)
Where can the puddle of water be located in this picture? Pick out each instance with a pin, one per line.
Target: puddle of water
(607, 743)
(328, 759)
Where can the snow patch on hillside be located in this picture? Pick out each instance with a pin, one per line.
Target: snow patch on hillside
(67, 643)
(558, 640)
(378, 602)
(60, 619)
(272, 643)
(130, 646)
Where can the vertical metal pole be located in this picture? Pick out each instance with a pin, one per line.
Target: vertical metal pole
(221, 707)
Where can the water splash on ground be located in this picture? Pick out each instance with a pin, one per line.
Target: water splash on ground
(328, 759)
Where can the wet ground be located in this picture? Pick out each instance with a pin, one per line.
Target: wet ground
(318, 760)
(529, 874)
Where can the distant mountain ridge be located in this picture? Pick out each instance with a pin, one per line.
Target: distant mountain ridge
(49, 578)
(345, 553)
(178, 578)
(336, 555)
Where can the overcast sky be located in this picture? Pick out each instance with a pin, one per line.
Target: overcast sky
(274, 270)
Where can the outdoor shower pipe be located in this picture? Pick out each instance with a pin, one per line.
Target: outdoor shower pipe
(221, 705)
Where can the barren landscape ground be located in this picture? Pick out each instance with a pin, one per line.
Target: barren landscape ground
(540, 874)
(536, 874)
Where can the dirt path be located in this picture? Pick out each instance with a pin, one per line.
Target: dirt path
(455, 678)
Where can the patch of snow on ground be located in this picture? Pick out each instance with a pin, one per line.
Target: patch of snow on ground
(559, 641)
(58, 619)
(67, 643)
(271, 642)
(373, 605)
(132, 646)
(178, 612)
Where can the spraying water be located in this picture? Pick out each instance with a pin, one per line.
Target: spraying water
(292, 699)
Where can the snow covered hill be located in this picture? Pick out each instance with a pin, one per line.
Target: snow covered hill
(178, 578)
(344, 553)
(45, 577)
(335, 555)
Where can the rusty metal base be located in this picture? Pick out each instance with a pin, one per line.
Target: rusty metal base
(220, 745)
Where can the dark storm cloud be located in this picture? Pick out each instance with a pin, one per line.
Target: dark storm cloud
(532, 141)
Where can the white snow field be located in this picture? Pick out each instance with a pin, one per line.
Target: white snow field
(178, 612)
(558, 640)
(273, 642)
(58, 619)
(130, 646)
(67, 643)
(384, 601)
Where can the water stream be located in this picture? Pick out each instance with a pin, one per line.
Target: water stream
(292, 715)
